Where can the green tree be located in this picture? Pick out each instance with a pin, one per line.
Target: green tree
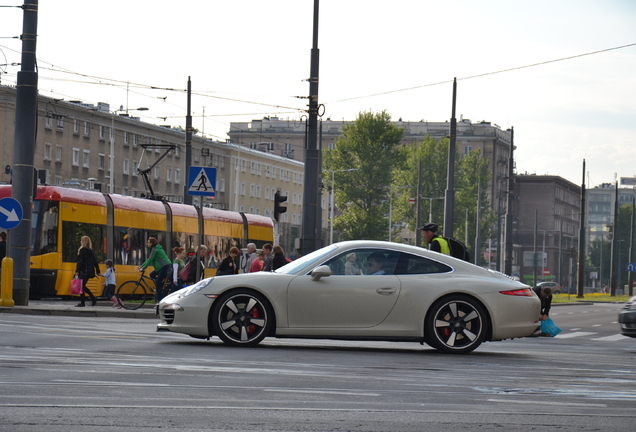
(470, 170)
(371, 146)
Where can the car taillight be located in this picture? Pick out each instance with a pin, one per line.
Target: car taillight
(525, 292)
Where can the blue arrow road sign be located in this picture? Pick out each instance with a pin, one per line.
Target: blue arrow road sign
(10, 213)
(202, 181)
(631, 267)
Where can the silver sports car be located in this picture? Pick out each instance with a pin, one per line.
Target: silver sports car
(359, 290)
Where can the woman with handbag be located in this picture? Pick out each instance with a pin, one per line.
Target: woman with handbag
(86, 268)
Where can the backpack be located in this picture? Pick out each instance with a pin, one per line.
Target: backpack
(185, 272)
(457, 249)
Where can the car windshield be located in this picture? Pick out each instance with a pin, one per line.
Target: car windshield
(306, 261)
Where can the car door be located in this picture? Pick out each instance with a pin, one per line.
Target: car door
(344, 301)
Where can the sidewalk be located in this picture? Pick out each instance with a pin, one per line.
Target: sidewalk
(67, 308)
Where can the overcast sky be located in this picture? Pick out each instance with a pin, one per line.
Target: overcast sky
(248, 59)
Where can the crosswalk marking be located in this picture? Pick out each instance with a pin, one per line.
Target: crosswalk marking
(573, 335)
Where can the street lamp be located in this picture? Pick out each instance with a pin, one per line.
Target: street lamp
(112, 143)
(332, 207)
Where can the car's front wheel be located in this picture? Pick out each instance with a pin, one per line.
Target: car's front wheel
(241, 318)
(456, 324)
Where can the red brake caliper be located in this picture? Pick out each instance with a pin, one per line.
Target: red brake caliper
(254, 313)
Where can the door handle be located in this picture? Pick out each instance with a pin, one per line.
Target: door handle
(386, 291)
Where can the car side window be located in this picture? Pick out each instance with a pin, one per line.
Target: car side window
(355, 262)
(413, 264)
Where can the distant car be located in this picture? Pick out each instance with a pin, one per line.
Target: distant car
(555, 287)
(415, 295)
(627, 318)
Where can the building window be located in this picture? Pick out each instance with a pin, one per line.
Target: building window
(243, 165)
(157, 173)
(58, 180)
(258, 191)
(169, 174)
(467, 149)
(157, 148)
(267, 171)
(76, 127)
(126, 167)
(135, 140)
(87, 158)
(58, 153)
(48, 123)
(101, 161)
(177, 175)
(76, 156)
(47, 151)
(252, 210)
(87, 128)
(135, 168)
(252, 191)
(266, 192)
(197, 154)
(60, 124)
(221, 187)
(222, 162)
(258, 211)
(102, 132)
(242, 190)
(242, 209)
(177, 151)
(126, 138)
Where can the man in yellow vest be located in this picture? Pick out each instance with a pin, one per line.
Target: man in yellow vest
(437, 243)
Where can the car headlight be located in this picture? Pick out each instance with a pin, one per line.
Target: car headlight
(192, 289)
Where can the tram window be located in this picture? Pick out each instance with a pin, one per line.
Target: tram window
(44, 222)
(72, 233)
(220, 248)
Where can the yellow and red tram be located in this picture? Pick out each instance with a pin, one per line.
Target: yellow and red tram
(119, 227)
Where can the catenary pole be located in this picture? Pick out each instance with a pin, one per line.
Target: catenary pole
(449, 202)
(509, 195)
(309, 237)
(187, 199)
(613, 253)
(26, 109)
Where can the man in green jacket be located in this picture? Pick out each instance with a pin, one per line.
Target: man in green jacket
(161, 264)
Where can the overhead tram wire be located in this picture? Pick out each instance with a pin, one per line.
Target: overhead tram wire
(485, 74)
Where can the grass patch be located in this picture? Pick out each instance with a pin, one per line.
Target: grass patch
(596, 297)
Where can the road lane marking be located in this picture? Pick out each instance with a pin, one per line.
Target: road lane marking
(321, 392)
(611, 338)
(538, 402)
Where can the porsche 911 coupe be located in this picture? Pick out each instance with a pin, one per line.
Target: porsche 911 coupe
(359, 290)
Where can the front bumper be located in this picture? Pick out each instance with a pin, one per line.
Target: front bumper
(627, 321)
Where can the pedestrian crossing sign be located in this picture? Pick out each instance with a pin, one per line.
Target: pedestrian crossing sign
(202, 181)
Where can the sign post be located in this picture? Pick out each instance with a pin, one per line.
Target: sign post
(10, 216)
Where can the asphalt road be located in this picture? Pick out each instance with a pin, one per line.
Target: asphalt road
(61, 373)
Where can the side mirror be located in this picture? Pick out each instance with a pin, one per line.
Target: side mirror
(319, 272)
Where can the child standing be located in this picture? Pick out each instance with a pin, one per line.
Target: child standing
(110, 284)
(177, 265)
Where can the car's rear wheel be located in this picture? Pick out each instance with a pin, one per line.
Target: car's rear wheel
(241, 318)
(456, 324)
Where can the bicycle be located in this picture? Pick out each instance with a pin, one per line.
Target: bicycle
(135, 293)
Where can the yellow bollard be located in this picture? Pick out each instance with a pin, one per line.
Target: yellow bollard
(6, 293)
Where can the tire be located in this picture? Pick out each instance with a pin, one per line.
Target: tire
(241, 318)
(456, 325)
(132, 294)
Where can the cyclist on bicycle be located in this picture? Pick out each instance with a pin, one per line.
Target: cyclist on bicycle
(161, 264)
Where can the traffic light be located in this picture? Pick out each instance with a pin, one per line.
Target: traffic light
(278, 209)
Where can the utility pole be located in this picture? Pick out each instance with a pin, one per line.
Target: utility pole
(22, 179)
(508, 226)
(581, 267)
(187, 199)
(613, 255)
(310, 208)
(630, 275)
(449, 202)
